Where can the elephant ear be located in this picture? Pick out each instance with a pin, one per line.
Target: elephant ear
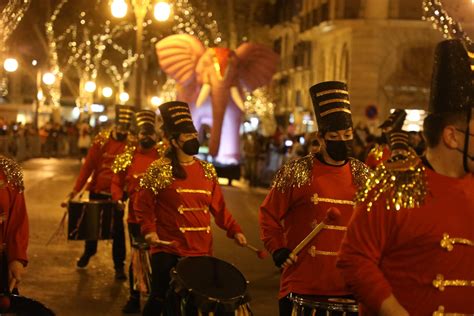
(178, 56)
(257, 64)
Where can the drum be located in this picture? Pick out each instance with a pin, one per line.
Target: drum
(209, 286)
(141, 264)
(22, 306)
(310, 305)
(91, 220)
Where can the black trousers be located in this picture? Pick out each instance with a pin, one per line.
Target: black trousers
(118, 238)
(133, 233)
(286, 307)
(161, 264)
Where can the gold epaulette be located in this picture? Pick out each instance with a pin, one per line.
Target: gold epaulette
(158, 176)
(294, 174)
(377, 151)
(12, 171)
(102, 137)
(360, 172)
(209, 170)
(403, 184)
(161, 148)
(124, 160)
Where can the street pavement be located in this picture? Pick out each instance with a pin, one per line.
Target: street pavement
(52, 276)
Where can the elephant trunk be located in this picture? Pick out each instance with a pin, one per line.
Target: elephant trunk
(220, 99)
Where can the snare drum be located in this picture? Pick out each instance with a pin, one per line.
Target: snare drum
(23, 306)
(209, 286)
(310, 305)
(91, 220)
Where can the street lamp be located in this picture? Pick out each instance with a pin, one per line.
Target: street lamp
(90, 86)
(107, 92)
(124, 97)
(162, 12)
(10, 64)
(49, 78)
(156, 101)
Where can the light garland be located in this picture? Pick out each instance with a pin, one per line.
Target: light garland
(168, 91)
(434, 12)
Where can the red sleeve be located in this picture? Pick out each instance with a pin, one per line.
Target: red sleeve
(272, 211)
(144, 207)
(17, 234)
(221, 214)
(361, 251)
(118, 183)
(91, 162)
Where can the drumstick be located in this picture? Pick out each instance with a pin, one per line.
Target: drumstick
(332, 215)
(262, 254)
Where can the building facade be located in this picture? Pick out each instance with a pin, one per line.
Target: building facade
(381, 48)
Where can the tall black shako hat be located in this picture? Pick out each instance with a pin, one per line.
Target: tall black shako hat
(452, 88)
(146, 121)
(395, 120)
(177, 117)
(124, 115)
(331, 106)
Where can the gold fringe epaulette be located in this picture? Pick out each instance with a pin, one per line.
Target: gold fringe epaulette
(294, 174)
(158, 176)
(209, 170)
(124, 160)
(102, 137)
(403, 184)
(360, 172)
(13, 172)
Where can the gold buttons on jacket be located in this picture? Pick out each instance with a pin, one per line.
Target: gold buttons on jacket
(440, 283)
(313, 252)
(448, 243)
(316, 199)
(182, 209)
(441, 312)
(206, 229)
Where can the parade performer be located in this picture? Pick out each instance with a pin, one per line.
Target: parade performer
(381, 152)
(302, 193)
(409, 249)
(106, 146)
(128, 168)
(14, 227)
(178, 195)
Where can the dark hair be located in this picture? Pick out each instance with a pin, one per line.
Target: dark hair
(178, 170)
(434, 124)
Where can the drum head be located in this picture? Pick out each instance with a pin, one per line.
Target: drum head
(23, 306)
(211, 284)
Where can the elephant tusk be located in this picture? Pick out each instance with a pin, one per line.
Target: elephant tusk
(203, 94)
(235, 94)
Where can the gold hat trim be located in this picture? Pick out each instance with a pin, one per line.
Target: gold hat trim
(334, 101)
(334, 111)
(470, 54)
(183, 120)
(178, 107)
(145, 122)
(180, 114)
(125, 110)
(319, 94)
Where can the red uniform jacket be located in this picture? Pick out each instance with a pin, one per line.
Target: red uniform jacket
(98, 163)
(129, 167)
(180, 210)
(14, 231)
(415, 254)
(302, 193)
(377, 155)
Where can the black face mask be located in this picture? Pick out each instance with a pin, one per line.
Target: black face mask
(339, 150)
(191, 147)
(120, 136)
(147, 143)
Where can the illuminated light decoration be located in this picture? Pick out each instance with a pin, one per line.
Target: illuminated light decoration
(107, 92)
(97, 108)
(451, 29)
(162, 11)
(124, 97)
(103, 118)
(40, 95)
(10, 64)
(21, 118)
(156, 101)
(76, 112)
(90, 86)
(49, 78)
(34, 62)
(119, 8)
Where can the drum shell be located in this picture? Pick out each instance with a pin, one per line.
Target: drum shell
(328, 304)
(203, 301)
(96, 220)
